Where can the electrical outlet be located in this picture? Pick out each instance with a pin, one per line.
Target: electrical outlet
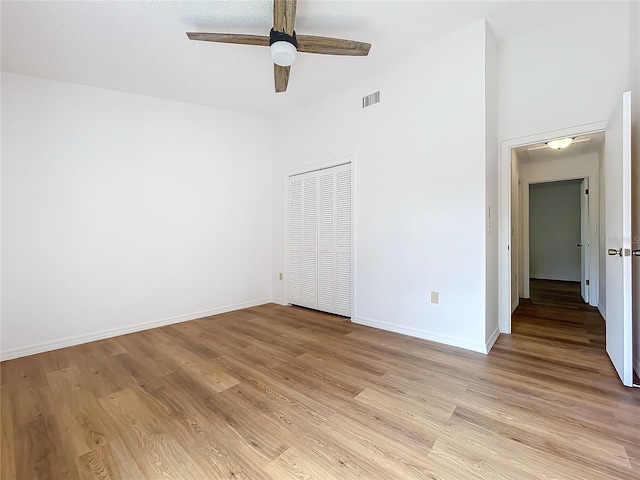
(435, 297)
(280, 276)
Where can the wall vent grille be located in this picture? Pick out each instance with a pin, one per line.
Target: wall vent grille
(371, 99)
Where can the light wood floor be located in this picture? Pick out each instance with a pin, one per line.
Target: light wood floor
(275, 393)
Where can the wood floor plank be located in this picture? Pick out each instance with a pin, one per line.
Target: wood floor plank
(8, 434)
(284, 392)
(164, 457)
(293, 464)
(270, 385)
(393, 455)
(41, 453)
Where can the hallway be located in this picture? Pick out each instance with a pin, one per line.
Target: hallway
(556, 323)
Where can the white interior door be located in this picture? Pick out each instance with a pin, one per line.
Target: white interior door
(584, 239)
(618, 239)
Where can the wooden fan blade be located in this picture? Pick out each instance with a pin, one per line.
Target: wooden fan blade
(230, 38)
(332, 46)
(281, 77)
(284, 15)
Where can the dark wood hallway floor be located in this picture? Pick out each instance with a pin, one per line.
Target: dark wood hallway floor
(557, 314)
(559, 294)
(276, 392)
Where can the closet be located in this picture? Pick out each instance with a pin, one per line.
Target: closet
(319, 243)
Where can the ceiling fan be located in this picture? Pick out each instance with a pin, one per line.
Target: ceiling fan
(284, 43)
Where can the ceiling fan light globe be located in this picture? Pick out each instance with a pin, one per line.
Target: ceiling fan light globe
(283, 53)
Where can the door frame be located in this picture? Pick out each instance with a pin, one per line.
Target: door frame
(593, 273)
(504, 208)
(586, 238)
(349, 159)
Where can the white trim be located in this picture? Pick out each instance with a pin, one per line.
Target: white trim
(602, 312)
(492, 339)
(279, 301)
(504, 209)
(514, 305)
(434, 337)
(114, 332)
(335, 162)
(524, 251)
(348, 159)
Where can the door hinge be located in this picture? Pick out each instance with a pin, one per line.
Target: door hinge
(587, 282)
(586, 192)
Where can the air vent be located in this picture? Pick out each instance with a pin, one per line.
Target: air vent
(371, 99)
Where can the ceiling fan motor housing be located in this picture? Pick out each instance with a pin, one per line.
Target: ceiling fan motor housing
(283, 47)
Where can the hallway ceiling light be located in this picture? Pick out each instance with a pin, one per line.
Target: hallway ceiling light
(560, 143)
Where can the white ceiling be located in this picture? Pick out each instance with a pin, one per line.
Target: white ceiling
(141, 47)
(582, 145)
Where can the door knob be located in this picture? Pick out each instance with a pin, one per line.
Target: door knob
(636, 253)
(615, 251)
(578, 244)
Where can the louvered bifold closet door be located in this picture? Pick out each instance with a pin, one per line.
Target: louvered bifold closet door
(320, 240)
(326, 241)
(343, 240)
(303, 239)
(295, 240)
(310, 241)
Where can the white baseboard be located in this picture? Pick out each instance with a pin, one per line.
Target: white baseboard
(279, 301)
(114, 332)
(492, 339)
(434, 337)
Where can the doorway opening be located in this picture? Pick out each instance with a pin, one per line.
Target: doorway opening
(559, 244)
(613, 228)
(529, 161)
(555, 216)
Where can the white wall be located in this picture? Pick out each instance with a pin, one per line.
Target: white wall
(122, 211)
(554, 231)
(419, 187)
(634, 85)
(570, 72)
